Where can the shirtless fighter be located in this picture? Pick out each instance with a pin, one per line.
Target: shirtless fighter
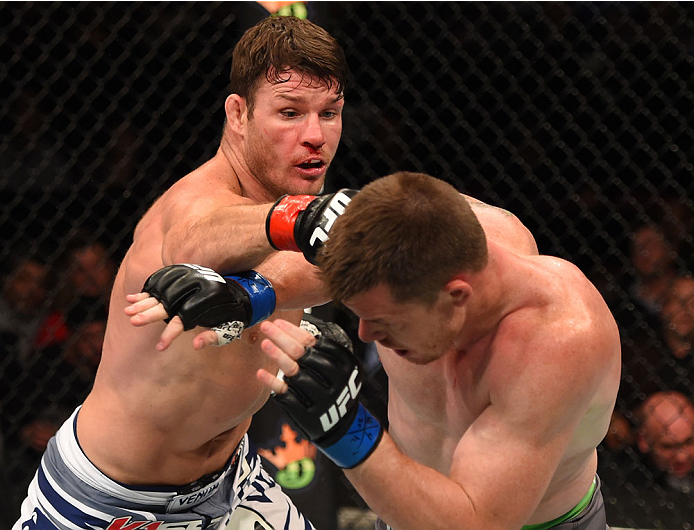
(161, 440)
(503, 366)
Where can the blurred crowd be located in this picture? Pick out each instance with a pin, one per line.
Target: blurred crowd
(647, 457)
(52, 322)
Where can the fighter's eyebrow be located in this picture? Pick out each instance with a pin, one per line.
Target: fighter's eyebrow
(294, 98)
(284, 95)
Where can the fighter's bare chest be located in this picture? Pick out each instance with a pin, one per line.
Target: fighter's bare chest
(440, 397)
(429, 421)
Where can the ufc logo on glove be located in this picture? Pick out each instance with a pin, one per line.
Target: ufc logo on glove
(338, 410)
(335, 209)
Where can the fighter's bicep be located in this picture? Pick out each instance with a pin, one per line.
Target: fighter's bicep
(504, 469)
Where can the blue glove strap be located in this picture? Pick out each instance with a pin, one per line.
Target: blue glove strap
(260, 291)
(355, 446)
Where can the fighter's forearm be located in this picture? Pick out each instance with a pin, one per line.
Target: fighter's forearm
(234, 239)
(296, 282)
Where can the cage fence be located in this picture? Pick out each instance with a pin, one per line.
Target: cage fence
(574, 116)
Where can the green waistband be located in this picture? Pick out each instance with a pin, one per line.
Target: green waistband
(568, 515)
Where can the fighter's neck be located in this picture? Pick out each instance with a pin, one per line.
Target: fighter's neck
(496, 292)
(235, 167)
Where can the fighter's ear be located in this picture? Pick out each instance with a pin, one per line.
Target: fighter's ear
(236, 112)
(458, 290)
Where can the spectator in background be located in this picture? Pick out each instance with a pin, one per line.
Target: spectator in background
(666, 437)
(653, 259)
(652, 267)
(33, 164)
(58, 378)
(21, 305)
(651, 484)
(52, 339)
(654, 328)
(61, 377)
(619, 434)
(22, 299)
(90, 271)
(678, 316)
(656, 324)
(656, 359)
(83, 288)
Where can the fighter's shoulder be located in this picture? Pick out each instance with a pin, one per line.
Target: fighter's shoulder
(503, 227)
(549, 345)
(570, 322)
(207, 184)
(549, 287)
(198, 194)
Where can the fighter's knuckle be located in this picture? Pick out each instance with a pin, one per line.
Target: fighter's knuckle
(297, 351)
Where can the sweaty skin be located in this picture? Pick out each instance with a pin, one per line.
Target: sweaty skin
(516, 415)
(495, 406)
(163, 411)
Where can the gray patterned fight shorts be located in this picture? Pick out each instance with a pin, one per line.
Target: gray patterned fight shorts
(69, 493)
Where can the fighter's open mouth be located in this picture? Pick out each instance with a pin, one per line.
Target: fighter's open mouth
(311, 164)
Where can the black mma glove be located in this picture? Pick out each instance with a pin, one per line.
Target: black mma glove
(302, 222)
(201, 297)
(322, 400)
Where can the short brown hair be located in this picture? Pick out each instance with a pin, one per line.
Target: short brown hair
(276, 45)
(409, 231)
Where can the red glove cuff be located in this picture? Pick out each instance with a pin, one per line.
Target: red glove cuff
(282, 218)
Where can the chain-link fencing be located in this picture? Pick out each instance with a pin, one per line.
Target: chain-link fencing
(574, 116)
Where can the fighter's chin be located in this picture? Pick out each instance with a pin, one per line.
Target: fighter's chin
(310, 185)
